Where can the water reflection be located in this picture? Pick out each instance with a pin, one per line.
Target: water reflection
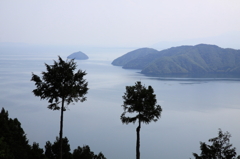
(197, 77)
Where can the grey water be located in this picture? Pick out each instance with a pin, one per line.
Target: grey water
(193, 108)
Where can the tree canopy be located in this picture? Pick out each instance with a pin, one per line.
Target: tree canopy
(86, 153)
(142, 101)
(53, 150)
(219, 149)
(60, 84)
(13, 141)
(14, 144)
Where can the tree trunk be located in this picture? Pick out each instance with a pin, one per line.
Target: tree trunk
(138, 141)
(61, 128)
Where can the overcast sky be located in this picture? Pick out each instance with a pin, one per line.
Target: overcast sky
(116, 22)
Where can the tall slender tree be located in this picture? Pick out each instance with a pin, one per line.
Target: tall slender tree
(61, 85)
(142, 101)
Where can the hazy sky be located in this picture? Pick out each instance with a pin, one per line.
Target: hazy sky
(119, 23)
(116, 22)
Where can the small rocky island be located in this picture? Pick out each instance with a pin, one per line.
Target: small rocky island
(78, 56)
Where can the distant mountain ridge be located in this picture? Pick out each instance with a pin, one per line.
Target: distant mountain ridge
(198, 59)
(123, 60)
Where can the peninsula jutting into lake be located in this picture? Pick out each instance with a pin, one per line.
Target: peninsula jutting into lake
(198, 59)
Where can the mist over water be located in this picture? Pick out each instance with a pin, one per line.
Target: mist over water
(193, 108)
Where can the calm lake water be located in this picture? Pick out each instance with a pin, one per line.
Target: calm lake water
(193, 108)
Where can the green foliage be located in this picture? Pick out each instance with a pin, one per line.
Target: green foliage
(220, 148)
(123, 60)
(197, 59)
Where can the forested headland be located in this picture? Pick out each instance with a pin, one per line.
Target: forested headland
(198, 59)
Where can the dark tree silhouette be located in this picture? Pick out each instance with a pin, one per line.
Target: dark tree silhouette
(99, 156)
(86, 153)
(48, 150)
(36, 151)
(142, 101)
(52, 150)
(83, 152)
(220, 148)
(13, 140)
(59, 84)
(66, 154)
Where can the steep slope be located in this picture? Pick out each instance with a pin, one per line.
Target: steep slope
(197, 59)
(123, 60)
(143, 61)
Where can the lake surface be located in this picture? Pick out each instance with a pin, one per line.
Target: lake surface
(193, 108)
